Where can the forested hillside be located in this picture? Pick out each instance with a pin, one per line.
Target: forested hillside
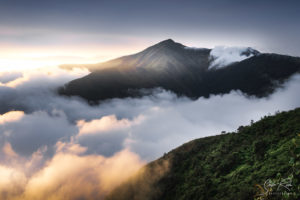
(259, 161)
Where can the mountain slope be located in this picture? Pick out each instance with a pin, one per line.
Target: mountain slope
(228, 166)
(162, 55)
(183, 70)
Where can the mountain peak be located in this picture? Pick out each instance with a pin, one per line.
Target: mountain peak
(184, 71)
(168, 43)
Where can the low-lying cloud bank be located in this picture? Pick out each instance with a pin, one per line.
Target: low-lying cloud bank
(68, 175)
(54, 147)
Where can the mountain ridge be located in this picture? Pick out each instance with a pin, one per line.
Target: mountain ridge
(161, 48)
(184, 71)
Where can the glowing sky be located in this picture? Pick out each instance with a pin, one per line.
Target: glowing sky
(34, 33)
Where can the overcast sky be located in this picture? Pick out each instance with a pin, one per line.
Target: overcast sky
(91, 31)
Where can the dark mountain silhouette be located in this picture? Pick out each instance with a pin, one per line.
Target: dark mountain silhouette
(231, 166)
(184, 71)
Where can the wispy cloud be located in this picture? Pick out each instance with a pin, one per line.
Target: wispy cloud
(222, 56)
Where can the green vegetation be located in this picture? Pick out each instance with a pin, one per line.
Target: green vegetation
(261, 161)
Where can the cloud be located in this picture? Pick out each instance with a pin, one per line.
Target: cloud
(36, 90)
(7, 150)
(11, 117)
(148, 126)
(105, 135)
(36, 130)
(6, 77)
(222, 56)
(56, 145)
(12, 182)
(168, 121)
(70, 176)
(144, 185)
(105, 124)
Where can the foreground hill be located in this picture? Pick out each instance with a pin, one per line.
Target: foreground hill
(185, 71)
(262, 159)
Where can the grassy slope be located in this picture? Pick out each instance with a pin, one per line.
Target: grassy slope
(225, 166)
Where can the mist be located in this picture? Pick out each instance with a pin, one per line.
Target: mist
(44, 135)
(222, 56)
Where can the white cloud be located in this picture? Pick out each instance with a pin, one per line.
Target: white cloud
(148, 126)
(222, 56)
(53, 128)
(105, 124)
(6, 77)
(69, 176)
(11, 117)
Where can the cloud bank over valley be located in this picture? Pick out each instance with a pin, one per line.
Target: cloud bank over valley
(47, 136)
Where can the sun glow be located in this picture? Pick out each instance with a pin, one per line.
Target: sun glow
(29, 62)
(16, 58)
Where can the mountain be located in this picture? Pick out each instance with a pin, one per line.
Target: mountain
(261, 159)
(157, 57)
(184, 71)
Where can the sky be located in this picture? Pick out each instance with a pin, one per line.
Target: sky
(39, 33)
